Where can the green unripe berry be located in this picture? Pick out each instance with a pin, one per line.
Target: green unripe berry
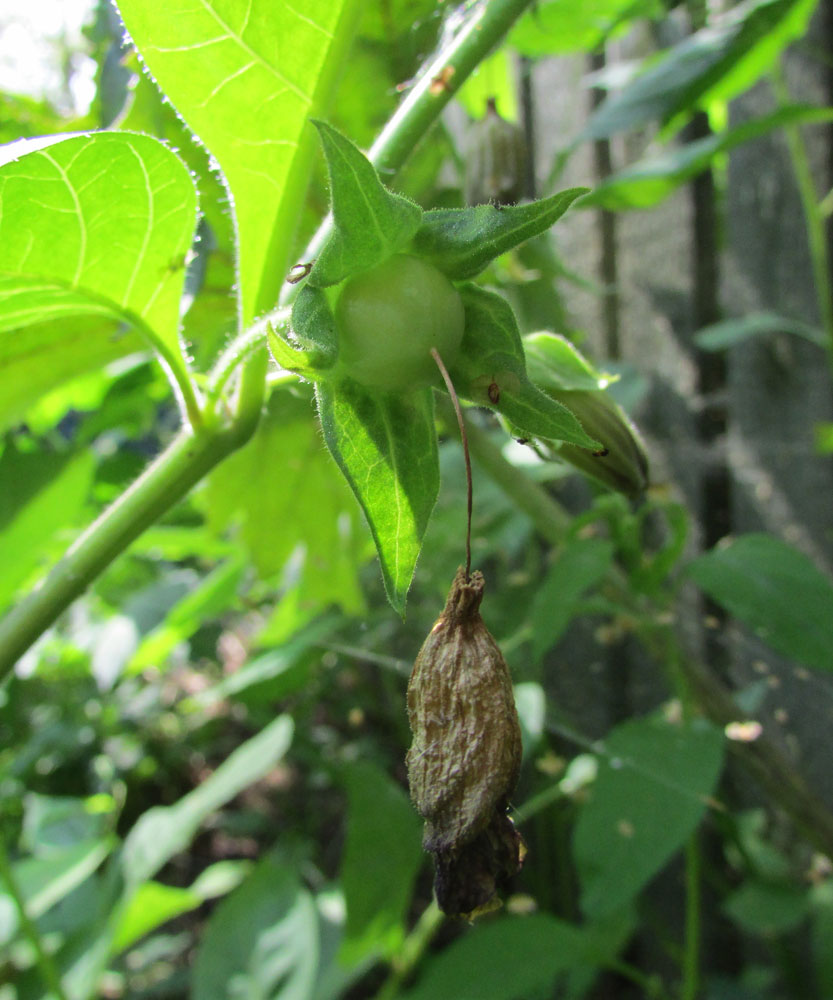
(390, 317)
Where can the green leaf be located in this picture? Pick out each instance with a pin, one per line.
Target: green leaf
(720, 60)
(552, 362)
(280, 671)
(45, 881)
(492, 354)
(647, 182)
(314, 325)
(214, 595)
(651, 791)
(370, 223)
(288, 501)
(262, 942)
(767, 908)
(386, 446)
(462, 241)
(560, 26)
(494, 79)
(155, 904)
(719, 336)
(776, 591)
(245, 74)
(580, 565)
(32, 521)
(164, 831)
(97, 225)
(531, 702)
(382, 857)
(509, 959)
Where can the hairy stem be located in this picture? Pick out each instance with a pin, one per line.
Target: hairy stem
(162, 484)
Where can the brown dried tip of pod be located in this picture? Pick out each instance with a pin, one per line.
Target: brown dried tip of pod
(465, 756)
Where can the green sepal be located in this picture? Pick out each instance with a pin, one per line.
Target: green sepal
(462, 241)
(314, 326)
(370, 223)
(565, 375)
(290, 358)
(386, 447)
(491, 371)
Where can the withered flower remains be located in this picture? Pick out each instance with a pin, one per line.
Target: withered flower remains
(465, 756)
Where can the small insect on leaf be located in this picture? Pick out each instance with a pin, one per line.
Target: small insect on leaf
(298, 272)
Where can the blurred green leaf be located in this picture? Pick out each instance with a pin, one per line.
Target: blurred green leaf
(98, 225)
(561, 26)
(767, 908)
(154, 904)
(718, 61)
(727, 333)
(581, 564)
(531, 703)
(290, 503)
(31, 519)
(386, 446)
(553, 362)
(509, 959)
(45, 881)
(652, 788)
(494, 79)
(382, 857)
(164, 831)
(245, 75)
(647, 182)
(776, 591)
(214, 595)
(262, 942)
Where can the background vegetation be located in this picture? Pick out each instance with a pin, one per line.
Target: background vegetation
(202, 722)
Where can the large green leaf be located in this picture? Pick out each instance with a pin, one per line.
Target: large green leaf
(163, 831)
(262, 942)
(652, 788)
(728, 332)
(386, 446)
(721, 60)
(94, 225)
(382, 856)
(776, 591)
(245, 74)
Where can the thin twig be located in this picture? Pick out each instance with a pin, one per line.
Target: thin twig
(460, 422)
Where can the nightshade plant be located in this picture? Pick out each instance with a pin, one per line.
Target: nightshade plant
(388, 266)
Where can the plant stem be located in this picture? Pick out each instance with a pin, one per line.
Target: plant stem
(413, 948)
(813, 218)
(691, 954)
(462, 425)
(167, 479)
(483, 26)
(48, 972)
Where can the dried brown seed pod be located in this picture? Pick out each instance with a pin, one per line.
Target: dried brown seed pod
(465, 756)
